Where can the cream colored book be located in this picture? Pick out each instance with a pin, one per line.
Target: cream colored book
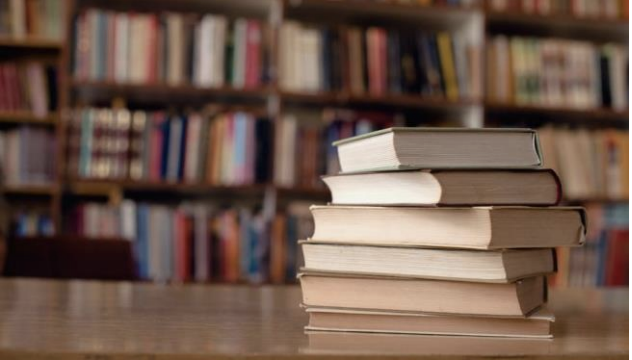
(446, 187)
(373, 344)
(426, 148)
(500, 266)
(537, 325)
(470, 228)
(398, 293)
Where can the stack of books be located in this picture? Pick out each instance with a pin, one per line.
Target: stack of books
(437, 231)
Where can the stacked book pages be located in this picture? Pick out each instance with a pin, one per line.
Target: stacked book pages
(437, 231)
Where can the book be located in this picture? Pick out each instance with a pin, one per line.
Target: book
(375, 60)
(463, 265)
(446, 188)
(159, 146)
(195, 241)
(30, 86)
(516, 299)
(353, 343)
(173, 48)
(590, 163)
(519, 72)
(21, 159)
(402, 148)
(536, 325)
(473, 228)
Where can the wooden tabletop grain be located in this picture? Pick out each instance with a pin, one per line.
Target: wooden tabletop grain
(43, 319)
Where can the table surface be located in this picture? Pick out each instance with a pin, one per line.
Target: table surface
(112, 320)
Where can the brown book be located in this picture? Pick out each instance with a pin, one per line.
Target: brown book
(537, 325)
(465, 265)
(278, 250)
(446, 187)
(421, 295)
(470, 228)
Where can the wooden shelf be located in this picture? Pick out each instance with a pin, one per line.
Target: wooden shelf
(25, 117)
(597, 200)
(311, 192)
(27, 190)
(105, 186)
(385, 101)
(587, 28)
(562, 114)
(359, 10)
(156, 93)
(30, 43)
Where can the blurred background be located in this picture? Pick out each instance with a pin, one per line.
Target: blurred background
(183, 141)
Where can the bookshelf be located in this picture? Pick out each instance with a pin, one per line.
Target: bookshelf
(474, 23)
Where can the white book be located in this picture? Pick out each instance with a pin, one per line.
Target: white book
(18, 18)
(310, 64)
(128, 220)
(201, 72)
(121, 50)
(209, 49)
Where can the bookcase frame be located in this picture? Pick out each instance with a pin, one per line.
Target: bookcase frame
(275, 101)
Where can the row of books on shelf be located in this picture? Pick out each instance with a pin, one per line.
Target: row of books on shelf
(27, 156)
(303, 150)
(556, 72)
(611, 9)
(31, 223)
(196, 242)
(173, 48)
(211, 146)
(591, 164)
(29, 87)
(377, 61)
(603, 261)
(38, 19)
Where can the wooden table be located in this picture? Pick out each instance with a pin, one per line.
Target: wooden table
(101, 320)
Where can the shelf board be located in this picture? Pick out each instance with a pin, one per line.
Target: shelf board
(589, 28)
(562, 114)
(160, 92)
(105, 187)
(25, 117)
(360, 10)
(30, 43)
(39, 190)
(597, 200)
(312, 192)
(385, 101)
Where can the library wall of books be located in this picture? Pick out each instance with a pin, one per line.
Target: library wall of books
(197, 131)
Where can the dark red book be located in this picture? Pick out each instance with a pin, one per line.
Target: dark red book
(253, 54)
(617, 264)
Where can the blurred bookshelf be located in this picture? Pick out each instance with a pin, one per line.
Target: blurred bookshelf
(295, 75)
